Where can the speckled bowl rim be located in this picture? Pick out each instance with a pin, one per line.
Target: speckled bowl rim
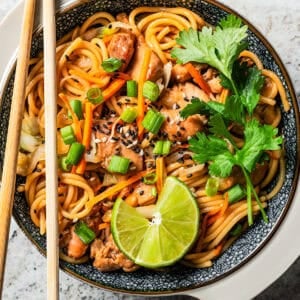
(66, 7)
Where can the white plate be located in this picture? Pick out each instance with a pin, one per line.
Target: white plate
(282, 250)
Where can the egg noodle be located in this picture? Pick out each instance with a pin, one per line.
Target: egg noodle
(87, 192)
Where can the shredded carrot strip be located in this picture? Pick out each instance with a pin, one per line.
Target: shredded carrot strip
(103, 226)
(116, 188)
(198, 78)
(77, 128)
(87, 134)
(218, 250)
(141, 101)
(160, 173)
(224, 95)
(113, 88)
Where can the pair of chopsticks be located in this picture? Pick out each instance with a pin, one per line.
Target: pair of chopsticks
(13, 136)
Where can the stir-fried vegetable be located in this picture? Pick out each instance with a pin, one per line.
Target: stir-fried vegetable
(75, 153)
(153, 121)
(86, 234)
(95, 95)
(151, 90)
(111, 64)
(129, 114)
(132, 89)
(119, 164)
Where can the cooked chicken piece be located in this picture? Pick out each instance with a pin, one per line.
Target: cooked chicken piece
(107, 257)
(106, 149)
(155, 70)
(143, 194)
(122, 47)
(178, 129)
(215, 85)
(173, 101)
(180, 73)
(136, 159)
(179, 95)
(76, 247)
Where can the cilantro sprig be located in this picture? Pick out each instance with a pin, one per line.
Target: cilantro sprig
(220, 49)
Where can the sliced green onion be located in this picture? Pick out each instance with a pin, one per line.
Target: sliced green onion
(76, 106)
(236, 230)
(129, 114)
(132, 90)
(112, 64)
(236, 193)
(153, 121)
(75, 153)
(85, 233)
(150, 178)
(119, 164)
(212, 186)
(68, 135)
(162, 147)
(151, 90)
(65, 166)
(94, 95)
(154, 191)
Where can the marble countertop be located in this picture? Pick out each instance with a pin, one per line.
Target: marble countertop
(25, 276)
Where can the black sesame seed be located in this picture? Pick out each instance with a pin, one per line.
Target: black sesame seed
(182, 128)
(189, 175)
(141, 193)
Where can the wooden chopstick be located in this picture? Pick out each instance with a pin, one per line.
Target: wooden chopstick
(51, 156)
(14, 130)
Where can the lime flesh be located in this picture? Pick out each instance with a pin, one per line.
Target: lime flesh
(167, 237)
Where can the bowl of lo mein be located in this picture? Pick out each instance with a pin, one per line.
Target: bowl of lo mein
(149, 91)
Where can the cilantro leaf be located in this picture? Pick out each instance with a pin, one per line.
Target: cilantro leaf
(206, 148)
(222, 165)
(196, 106)
(234, 109)
(250, 93)
(258, 138)
(219, 48)
(218, 127)
(201, 107)
(231, 21)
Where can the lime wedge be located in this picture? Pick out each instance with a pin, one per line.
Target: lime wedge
(167, 237)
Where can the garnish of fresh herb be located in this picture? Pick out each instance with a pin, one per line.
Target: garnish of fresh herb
(214, 149)
(220, 49)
